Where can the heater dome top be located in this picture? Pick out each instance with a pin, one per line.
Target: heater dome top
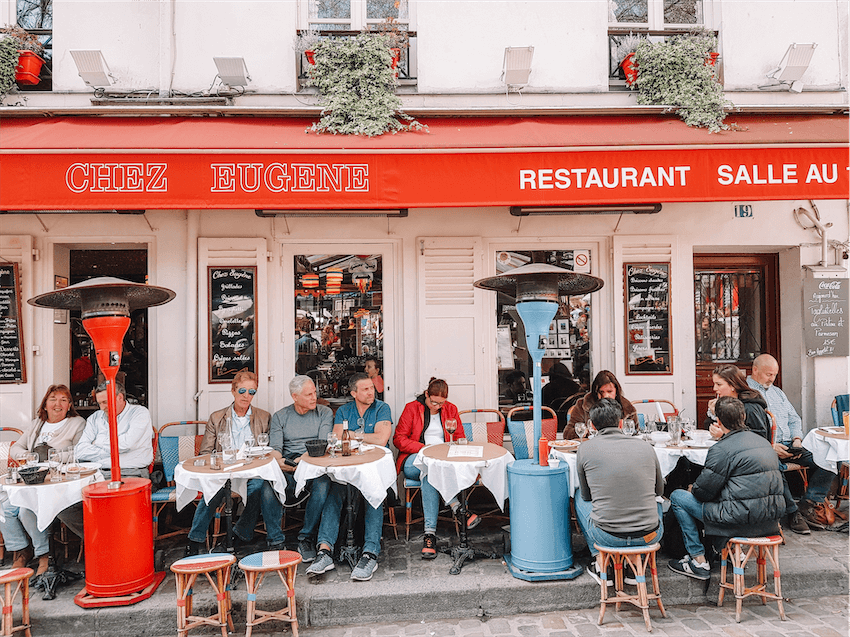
(131, 295)
(568, 283)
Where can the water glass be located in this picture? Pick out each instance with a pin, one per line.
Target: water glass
(581, 430)
(332, 440)
(358, 436)
(226, 441)
(688, 426)
(674, 427)
(54, 463)
(629, 427)
(263, 440)
(591, 430)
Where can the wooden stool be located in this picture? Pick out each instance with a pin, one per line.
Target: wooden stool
(638, 557)
(734, 551)
(8, 577)
(256, 566)
(185, 572)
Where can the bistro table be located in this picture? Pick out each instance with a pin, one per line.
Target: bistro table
(451, 473)
(829, 446)
(371, 472)
(47, 499)
(195, 474)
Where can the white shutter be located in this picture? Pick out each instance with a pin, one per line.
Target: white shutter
(245, 252)
(16, 400)
(450, 335)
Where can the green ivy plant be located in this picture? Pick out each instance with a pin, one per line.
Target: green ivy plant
(8, 62)
(674, 73)
(356, 86)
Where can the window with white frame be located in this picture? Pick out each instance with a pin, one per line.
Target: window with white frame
(654, 19)
(36, 16)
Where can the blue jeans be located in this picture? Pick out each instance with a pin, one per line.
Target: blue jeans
(19, 524)
(329, 526)
(430, 496)
(594, 535)
(319, 489)
(688, 510)
(261, 497)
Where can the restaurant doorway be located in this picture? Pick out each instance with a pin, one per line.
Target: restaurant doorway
(129, 262)
(736, 311)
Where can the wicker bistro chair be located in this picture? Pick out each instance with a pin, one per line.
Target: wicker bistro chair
(791, 466)
(840, 404)
(5, 447)
(492, 431)
(521, 429)
(659, 407)
(173, 449)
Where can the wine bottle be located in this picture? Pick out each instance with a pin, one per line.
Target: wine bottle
(346, 439)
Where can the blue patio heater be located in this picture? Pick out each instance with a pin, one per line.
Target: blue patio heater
(541, 548)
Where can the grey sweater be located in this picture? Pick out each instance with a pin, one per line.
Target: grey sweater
(289, 430)
(621, 476)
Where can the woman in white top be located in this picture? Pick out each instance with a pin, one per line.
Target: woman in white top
(58, 426)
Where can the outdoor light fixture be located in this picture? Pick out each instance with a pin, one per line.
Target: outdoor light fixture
(516, 66)
(793, 65)
(397, 212)
(541, 548)
(232, 71)
(92, 67)
(614, 209)
(117, 514)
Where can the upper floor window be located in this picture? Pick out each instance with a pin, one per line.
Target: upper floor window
(36, 16)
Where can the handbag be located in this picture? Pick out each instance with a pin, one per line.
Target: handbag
(42, 451)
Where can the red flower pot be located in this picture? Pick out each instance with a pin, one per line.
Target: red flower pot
(311, 56)
(711, 60)
(29, 68)
(396, 53)
(630, 68)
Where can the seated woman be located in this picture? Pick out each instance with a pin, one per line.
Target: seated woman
(730, 381)
(422, 423)
(57, 426)
(605, 385)
(373, 371)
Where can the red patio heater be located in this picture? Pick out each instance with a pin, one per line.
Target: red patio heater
(117, 514)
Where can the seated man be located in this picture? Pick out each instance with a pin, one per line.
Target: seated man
(788, 444)
(738, 492)
(240, 420)
(135, 448)
(291, 428)
(620, 481)
(377, 427)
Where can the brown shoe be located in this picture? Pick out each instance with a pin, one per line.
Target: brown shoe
(818, 515)
(22, 558)
(43, 564)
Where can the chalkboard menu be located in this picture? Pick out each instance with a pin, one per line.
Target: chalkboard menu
(648, 318)
(13, 367)
(826, 308)
(233, 326)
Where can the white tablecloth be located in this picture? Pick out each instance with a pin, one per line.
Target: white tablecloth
(449, 477)
(48, 499)
(190, 482)
(826, 452)
(372, 479)
(570, 458)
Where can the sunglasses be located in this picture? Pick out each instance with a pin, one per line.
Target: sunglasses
(242, 390)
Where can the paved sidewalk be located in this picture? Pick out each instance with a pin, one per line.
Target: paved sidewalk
(823, 617)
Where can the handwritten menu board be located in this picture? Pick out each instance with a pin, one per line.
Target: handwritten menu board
(648, 318)
(826, 306)
(12, 363)
(233, 326)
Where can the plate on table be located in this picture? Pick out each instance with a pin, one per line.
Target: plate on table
(84, 466)
(564, 445)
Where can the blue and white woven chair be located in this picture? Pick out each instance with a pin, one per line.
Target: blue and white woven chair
(522, 430)
(172, 450)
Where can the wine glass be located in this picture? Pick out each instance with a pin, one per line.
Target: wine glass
(358, 436)
(263, 442)
(249, 440)
(581, 430)
(451, 427)
(629, 427)
(332, 444)
(591, 430)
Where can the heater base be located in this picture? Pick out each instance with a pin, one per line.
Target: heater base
(84, 600)
(532, 576)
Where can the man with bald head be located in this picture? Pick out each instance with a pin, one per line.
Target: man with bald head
(788, 443)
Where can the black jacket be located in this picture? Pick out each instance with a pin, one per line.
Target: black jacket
(757, 419)
(741, 487)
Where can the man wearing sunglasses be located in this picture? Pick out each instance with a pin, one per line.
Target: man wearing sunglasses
(241, 422)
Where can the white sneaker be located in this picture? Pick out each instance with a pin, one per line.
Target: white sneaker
(599, 576)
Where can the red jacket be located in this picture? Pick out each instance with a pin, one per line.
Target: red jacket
(409, 436)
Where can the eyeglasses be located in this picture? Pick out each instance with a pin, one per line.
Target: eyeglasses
(436, 403)
(242, 390)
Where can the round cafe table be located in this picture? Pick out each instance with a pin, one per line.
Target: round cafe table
(452, 469)
(829, 446)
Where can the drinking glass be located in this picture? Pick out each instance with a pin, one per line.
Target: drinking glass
(263, 440)
(53, 462)
(591, 430)
(451, 427)
(249, 440)
(226, 441)
(688, 426)
(32, 457)
(581, 430)
(358, 436)
(674, 427)
(629, 427)
(332, 444)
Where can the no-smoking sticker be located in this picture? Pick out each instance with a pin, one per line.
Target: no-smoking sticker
(581, 261)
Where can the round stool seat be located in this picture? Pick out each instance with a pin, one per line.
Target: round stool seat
(8, 578)
(270, 561)
(205, 563)
(769, 540)
(9, 575)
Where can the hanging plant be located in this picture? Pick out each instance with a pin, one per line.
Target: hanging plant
(356, 83)
(675, 73)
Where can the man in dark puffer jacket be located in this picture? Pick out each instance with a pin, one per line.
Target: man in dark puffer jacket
(738, 493)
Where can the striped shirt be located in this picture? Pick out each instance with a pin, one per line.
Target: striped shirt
(789, 425)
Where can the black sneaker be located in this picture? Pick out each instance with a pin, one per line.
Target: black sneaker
(598, 575)
(689, 568)
(429, 546)
(195, 548)
(307, 550)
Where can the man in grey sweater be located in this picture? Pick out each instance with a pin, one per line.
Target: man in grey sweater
(290, 429)
(621, 485)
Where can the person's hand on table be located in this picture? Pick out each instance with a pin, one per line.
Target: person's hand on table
(281, 462)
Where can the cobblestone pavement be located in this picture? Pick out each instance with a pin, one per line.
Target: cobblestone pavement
(823, 617)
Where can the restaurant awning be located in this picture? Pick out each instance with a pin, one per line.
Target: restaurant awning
(90, 163)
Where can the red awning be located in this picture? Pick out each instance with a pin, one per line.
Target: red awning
(80, 163)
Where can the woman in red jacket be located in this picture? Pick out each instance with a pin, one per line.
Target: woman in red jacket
(422, 423)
